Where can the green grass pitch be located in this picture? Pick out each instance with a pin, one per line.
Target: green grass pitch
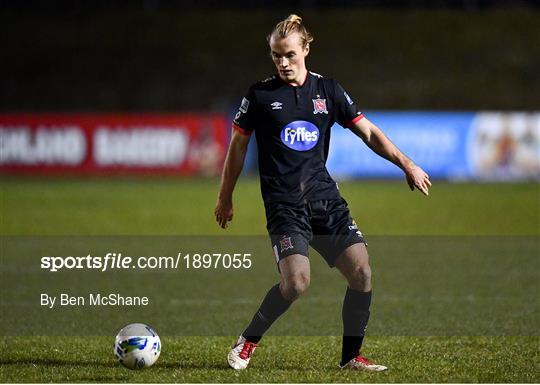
(157, 206)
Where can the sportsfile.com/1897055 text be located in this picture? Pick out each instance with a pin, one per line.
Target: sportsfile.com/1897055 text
(111, 261)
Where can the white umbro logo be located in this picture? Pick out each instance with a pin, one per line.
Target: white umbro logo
(276, 105)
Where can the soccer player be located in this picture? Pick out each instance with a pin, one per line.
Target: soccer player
(291, 114)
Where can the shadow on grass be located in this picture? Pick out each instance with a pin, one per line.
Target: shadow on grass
(120, 373)
(53, 363)
(162, 365)
(193, 365)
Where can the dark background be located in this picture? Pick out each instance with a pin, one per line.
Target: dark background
(203, 55)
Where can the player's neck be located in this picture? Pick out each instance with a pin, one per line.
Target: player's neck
(300, 79)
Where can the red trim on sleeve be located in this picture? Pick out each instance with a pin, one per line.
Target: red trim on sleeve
(241, 130)
(356, 119)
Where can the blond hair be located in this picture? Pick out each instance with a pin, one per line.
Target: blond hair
(291, 24)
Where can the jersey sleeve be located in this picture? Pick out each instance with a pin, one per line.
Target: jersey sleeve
(347, 112)
(245, 119)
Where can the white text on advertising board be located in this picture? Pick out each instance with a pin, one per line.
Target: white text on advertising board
(47, 145)
(141, 146)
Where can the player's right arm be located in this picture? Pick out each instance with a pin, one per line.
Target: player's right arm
(243, 125)
(234, 162)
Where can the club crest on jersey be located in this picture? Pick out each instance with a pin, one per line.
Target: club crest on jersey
(300, 135)
(319, 106)
(285, 243)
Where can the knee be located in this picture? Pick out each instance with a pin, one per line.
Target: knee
(292, 287)
(360, 278)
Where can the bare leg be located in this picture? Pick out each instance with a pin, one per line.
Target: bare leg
(354, 265)
(295, 275)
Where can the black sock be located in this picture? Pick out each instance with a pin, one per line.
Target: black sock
(271, 308)
(355, 314)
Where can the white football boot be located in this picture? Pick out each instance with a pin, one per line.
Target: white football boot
(241, 353)
(362, 363)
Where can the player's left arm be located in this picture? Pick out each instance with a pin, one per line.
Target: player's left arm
(380, 144)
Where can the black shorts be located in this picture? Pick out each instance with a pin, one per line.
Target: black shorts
(325, 225)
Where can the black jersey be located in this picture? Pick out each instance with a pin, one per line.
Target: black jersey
(292, 126)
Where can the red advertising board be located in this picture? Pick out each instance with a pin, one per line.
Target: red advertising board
(184, 144)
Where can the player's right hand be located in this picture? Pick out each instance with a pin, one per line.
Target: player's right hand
(223, 212)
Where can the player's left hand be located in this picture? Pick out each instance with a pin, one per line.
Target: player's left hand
(416, 177)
